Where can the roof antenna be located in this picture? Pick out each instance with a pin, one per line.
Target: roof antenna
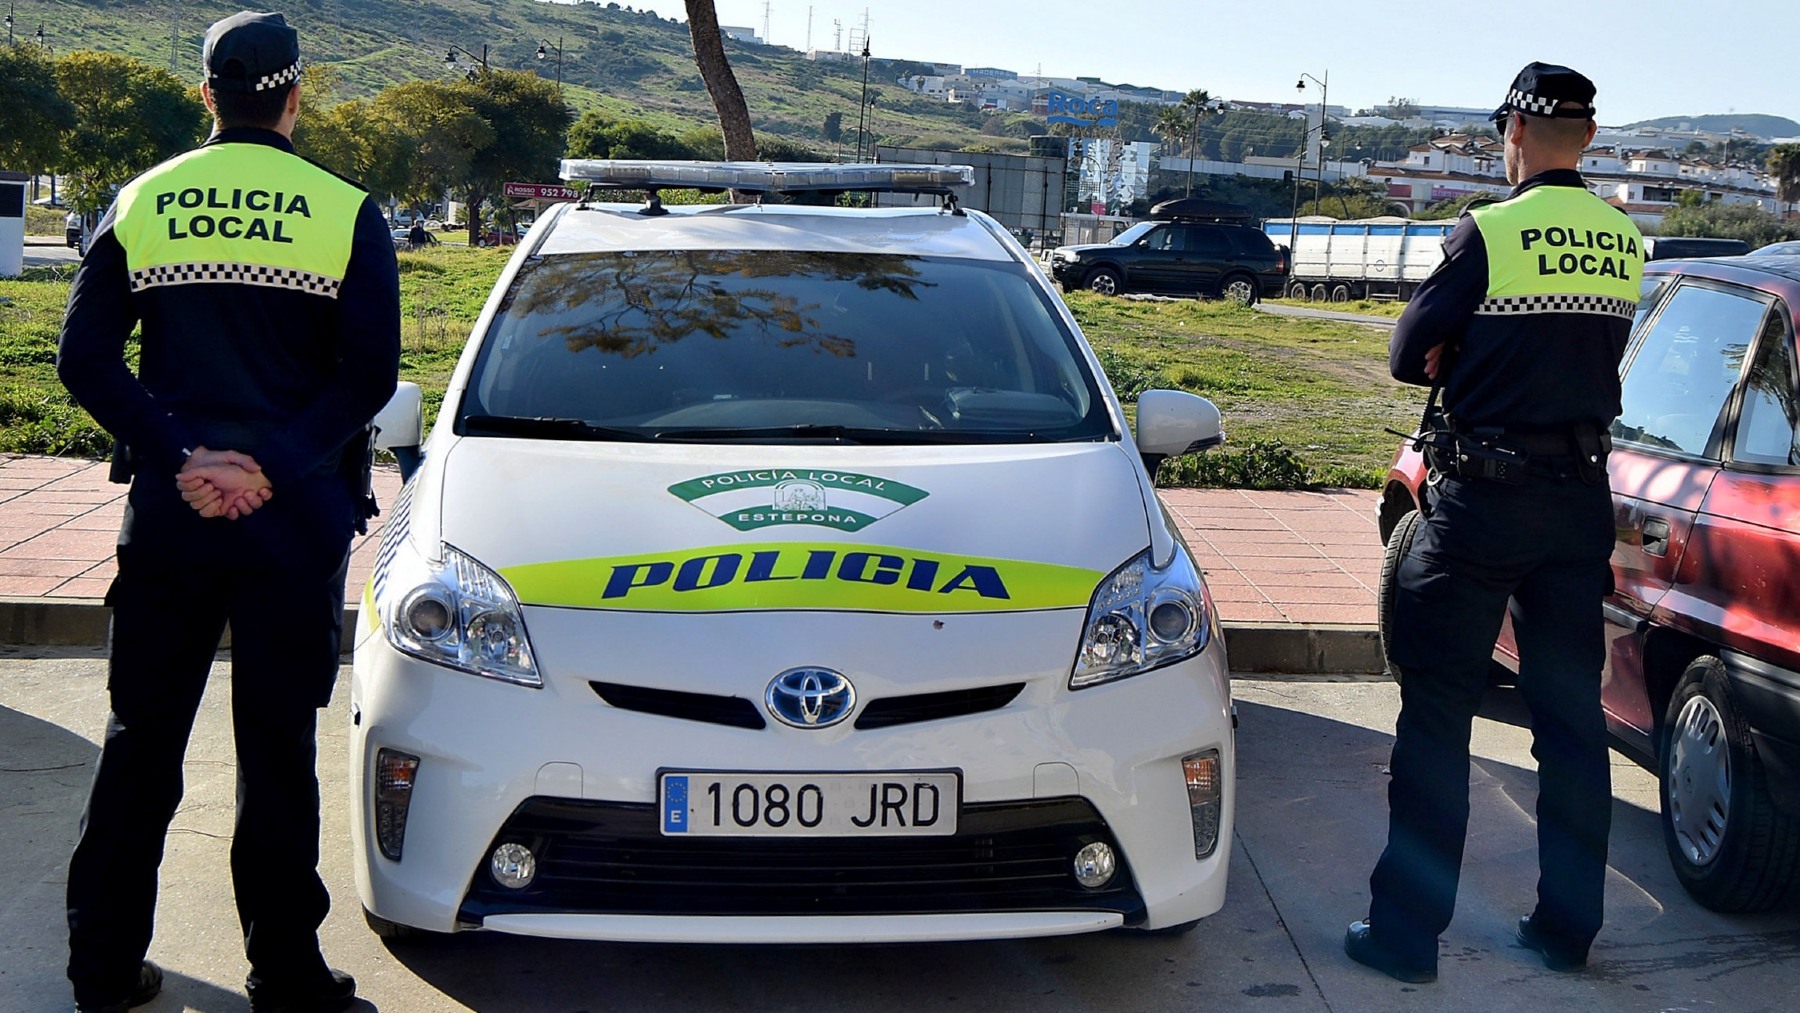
(653, 205)
(951, 206)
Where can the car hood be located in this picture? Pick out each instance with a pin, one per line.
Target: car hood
(735, 528)
(1088, 247)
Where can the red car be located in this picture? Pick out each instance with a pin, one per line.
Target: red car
(1702, 677)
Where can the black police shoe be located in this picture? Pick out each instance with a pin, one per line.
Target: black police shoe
(336, 991)
(149, 983)
(1558, 954)
(1361, 945)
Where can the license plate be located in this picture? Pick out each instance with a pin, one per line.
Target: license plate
(735, 804)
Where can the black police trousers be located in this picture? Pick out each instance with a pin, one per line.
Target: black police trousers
(1545, 545)
(282, 592)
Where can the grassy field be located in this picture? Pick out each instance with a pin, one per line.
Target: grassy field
(1304, 401)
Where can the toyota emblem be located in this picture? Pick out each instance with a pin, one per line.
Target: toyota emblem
(810, 697)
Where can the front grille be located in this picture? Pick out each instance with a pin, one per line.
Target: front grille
(901, 710)
(610, 858)
(739, 712)
(708, 707)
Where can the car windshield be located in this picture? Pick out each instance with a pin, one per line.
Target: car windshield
(1132, 235)
(780, 346)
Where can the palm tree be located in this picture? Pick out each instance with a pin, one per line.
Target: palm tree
(1784, 171)
(1192, 105)
(721, 83)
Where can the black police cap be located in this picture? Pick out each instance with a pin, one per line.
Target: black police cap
(251, 52)
(1542, 88)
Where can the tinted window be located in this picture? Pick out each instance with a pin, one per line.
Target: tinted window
(1167, 240)
(1676, 385)
(1768, 429)
(656, 342)
(1206, 241)
(1251, 243)
(1133, 234)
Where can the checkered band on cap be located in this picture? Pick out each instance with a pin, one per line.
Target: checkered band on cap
(1514, 305)
(205, 273)
(289, 73)
(1530, 103)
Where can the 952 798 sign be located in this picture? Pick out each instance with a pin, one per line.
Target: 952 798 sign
(747, 804)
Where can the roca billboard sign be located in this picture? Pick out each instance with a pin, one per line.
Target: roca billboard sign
(1080, 110)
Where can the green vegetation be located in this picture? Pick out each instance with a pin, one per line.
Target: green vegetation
(1305, 401)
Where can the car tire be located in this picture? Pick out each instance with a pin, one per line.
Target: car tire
(1105, 281)
(1399, 543)
(1318, 292)
(1296, 290)
(1732, 849)
(1340, 293)
(1240, 288)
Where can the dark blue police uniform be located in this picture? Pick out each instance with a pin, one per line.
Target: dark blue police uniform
(239, 350)
(1533, 304)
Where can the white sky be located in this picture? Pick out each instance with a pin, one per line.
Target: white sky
(1649, 58)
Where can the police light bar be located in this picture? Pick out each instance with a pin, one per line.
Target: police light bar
(767, 177)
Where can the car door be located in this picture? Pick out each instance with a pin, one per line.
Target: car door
(1667, 447)
(1203, 263)
(1738, 581)
(1153, 264)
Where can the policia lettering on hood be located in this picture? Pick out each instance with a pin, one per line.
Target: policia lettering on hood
(250, 214)
(1565, 255)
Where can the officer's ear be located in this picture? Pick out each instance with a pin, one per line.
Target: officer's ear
(293, 100)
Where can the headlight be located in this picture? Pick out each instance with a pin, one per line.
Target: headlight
(1141, 618)
(1067, 255)
(458, 613)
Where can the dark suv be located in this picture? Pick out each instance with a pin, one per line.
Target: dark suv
(1189, 247)
(1702, 677)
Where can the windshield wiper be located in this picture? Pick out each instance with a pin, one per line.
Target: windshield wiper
(548, 428)
(811, 431)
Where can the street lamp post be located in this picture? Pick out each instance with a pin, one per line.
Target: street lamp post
(1324, 137)
(543, 54)
(41, 40)
(9, 22)
(451, 61)
(862, 109)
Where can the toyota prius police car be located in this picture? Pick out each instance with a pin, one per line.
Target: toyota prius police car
(780, 572)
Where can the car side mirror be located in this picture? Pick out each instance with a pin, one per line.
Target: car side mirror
(1171, 423)
(400, 426)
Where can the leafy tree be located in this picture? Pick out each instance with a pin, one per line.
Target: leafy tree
(1718, 219)
(596, 135)
(1399, 108)
(34, 115)
(1784, 167)
(834, 126)
(1455, 206)
(721, 83)
(130, 115)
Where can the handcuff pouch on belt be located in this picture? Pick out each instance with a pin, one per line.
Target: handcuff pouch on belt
(1501, 457)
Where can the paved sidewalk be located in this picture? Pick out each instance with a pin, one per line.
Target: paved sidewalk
(1275, 561)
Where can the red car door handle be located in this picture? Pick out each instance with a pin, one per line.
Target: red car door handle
(1656, 536)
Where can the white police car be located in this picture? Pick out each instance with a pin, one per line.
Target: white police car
(786, 573)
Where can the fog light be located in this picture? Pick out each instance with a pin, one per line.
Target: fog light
(1205, 798)
(394, 775)
(513, 866)
(1094, 865)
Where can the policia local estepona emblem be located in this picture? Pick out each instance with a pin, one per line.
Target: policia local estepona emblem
(758, 498)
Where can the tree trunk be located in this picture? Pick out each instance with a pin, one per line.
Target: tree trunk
(721, 83)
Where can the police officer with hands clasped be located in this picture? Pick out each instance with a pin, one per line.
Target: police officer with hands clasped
(1523, 327)
(268, 297)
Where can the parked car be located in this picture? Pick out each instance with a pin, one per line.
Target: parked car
(1670, 247)
(1702, 677)
(1790, 248)
(741, 598)
(402, 237)
(1189, 247)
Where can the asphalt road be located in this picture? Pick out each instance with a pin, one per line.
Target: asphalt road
(1311, 820)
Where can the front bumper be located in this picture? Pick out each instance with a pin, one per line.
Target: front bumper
(1044, 771)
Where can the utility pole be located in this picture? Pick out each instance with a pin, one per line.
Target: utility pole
(862, 107)
(174, 34)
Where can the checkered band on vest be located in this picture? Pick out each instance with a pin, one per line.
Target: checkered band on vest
(1530, 103)
(235, 274)
(1514, 305)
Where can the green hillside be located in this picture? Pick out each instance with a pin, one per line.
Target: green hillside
(1755, 124)
(630, 63)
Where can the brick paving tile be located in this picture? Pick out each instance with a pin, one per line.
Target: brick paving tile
(1288, 549)
(1290, 598)
(34, 507)
(83, 587)
(105, 569)
(12, 534)
(106, 523)
(1334, 579)
(27, 566)
(1357, 614)
(28, 587)
(1250, 612)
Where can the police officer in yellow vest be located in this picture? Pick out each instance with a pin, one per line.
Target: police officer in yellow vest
(268, 296)
(1523, 326)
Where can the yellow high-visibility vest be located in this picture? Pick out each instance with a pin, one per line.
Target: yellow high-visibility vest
(241, 213)
(1559, 249)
